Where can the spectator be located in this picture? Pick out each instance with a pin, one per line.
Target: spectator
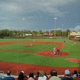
(31, 76)
(25, 77)
(53, 75)
(67, 76)
(75, 74)
(46, 76)
(1, 78)
(21, 76)
(9, 77)
(77, 78)
(42, 75)
(37, 75)
(79, 74)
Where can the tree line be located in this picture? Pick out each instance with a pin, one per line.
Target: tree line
(21, 33)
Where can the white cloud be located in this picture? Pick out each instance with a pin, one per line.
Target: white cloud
(49, 6)
(4, 18)
(9, 6)
(27, 6)
(77, 28)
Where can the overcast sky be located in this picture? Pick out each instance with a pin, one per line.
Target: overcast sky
(40, 14)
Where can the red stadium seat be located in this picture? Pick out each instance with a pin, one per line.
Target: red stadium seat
(77, 78)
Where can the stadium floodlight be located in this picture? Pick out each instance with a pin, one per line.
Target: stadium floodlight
(55, 24)
(23, 19)
(55, 18)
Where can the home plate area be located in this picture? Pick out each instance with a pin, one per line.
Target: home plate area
(50, 54)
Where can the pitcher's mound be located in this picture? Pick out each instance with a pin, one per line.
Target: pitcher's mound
(50, 54)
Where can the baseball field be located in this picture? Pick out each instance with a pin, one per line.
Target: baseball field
(32, 55)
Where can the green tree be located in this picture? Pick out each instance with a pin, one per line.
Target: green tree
(52, 32)
(67, 32)
(34, 33)
(58, 33)
(40, 33)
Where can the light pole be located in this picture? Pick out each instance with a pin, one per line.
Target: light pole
(62, 29)
(55, 25)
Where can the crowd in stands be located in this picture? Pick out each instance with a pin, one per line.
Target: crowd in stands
(41, 75)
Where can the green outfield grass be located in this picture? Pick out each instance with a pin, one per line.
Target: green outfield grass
(73, 49)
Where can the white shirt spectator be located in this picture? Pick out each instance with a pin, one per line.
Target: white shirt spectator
(42, 78)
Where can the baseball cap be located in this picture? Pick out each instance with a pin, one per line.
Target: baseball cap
(67, 72)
